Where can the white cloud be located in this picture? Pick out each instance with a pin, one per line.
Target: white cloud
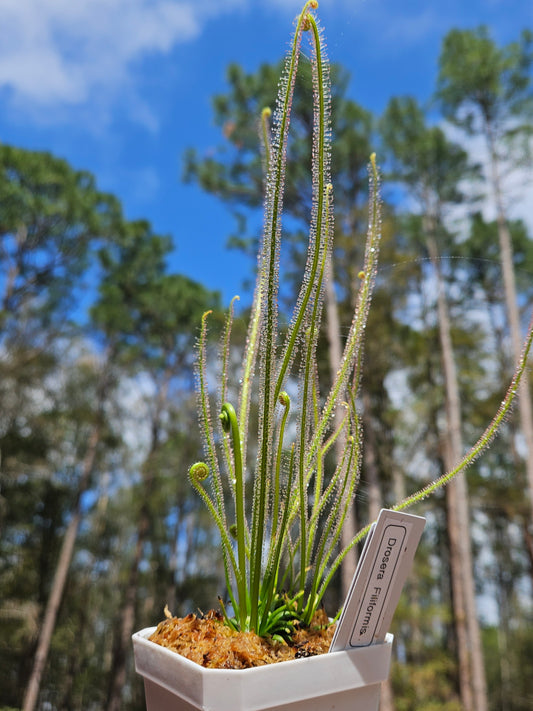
(517, 181)
(60, 52)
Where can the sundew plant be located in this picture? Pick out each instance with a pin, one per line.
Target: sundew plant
(281, 548)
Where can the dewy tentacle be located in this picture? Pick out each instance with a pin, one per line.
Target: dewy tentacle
(197, 474)
(230, 425)
(205, 418)
(225, 352)
(268, 323)
(357, 329)
(319, 230)
(250, 353)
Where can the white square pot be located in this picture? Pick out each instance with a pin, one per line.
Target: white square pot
(342, 681)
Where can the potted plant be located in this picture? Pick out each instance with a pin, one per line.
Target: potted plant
(280, 540)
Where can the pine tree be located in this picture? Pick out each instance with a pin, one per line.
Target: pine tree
(151, 319)
(431, 168)
(486, 91)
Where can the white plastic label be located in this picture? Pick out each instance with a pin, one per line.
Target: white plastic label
(384, 565)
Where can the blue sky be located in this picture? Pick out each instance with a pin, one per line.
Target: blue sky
(122, 87)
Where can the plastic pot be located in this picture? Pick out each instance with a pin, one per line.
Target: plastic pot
(344, 681)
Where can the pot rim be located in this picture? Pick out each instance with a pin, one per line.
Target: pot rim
(260, 687)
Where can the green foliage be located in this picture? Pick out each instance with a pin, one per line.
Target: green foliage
(65, 375)
(481, 251)
(422, 156)
(51, 214)
(143, 311)
(482, 86)
(508, 686)
(427, 686)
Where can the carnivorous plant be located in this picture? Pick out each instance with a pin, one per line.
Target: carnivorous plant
(280, 549)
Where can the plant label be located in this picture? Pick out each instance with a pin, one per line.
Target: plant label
(378, 581)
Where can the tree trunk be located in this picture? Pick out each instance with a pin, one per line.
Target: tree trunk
(511, 303)
(60, 577)
(458, 596)
(471, 665)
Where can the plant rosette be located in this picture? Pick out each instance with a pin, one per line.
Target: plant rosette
(324, 666)
(343, 681)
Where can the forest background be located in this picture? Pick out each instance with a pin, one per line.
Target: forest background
(99, 315)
